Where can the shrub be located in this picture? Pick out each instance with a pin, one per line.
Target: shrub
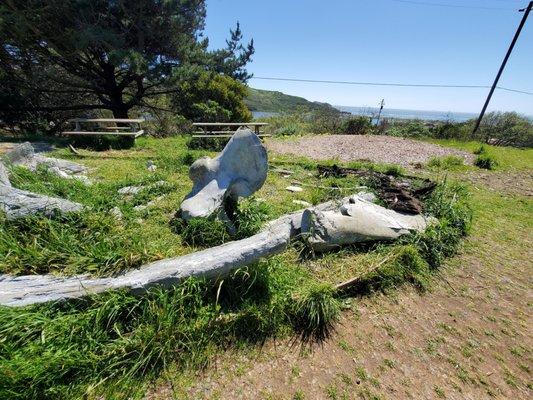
(249, 217)
(441, 239)
(506, 129)
(480, 150)
(213, 144)
(313, 310)
(451, 130)
(359, 125)
(286, 124)
(167, 124)
(449, 162)
(411, 128)
(209, 97)
(287, 130)
(393, 170)
(486, 161)
(326, 122)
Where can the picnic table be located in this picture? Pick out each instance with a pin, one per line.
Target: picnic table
(108, 126)
(225, 129)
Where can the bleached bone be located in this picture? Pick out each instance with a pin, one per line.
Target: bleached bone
(357, 221)
(24, 155)
(4, 177)
(215, 262)
(17, 203)
(210, 263)
(238, 171)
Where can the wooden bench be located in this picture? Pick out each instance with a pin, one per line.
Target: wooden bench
(128, 127)
(216, 129)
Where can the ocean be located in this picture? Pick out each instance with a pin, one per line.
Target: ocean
(393, 113)
(410, 114)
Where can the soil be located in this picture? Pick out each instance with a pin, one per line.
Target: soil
(508, 182)
(470, 337)
(381, 149)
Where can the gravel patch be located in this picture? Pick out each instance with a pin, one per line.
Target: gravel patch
(381, 149)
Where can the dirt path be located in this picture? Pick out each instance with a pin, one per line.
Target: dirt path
(381, 149)
(469, 338)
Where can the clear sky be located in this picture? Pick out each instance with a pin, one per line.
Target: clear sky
(385, 41)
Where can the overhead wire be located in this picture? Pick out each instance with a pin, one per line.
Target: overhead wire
(426, 85)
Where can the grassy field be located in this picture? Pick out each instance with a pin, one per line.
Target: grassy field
(116, 344)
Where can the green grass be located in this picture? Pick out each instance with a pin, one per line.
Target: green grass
(509, 158)
(114, 344)
(446, 163)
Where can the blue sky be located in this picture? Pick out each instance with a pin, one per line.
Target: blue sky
(384, 41)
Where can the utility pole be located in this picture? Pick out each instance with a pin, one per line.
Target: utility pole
(381, 104)
(526, 13)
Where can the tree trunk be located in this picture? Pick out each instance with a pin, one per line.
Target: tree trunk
(121, 112)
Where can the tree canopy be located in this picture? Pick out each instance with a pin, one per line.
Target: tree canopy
(68, 55)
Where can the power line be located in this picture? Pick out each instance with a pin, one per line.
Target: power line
(504, 62)
(389, 84)
(423, 3)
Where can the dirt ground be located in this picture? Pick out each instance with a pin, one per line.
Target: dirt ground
(508, 182)
(381, 149)
(470, 337)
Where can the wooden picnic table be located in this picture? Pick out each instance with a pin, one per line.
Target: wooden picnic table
(216, 129)
(109, 126)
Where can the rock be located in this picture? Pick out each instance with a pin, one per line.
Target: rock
(24, 155)
(302, 203)
(133, 190)
(151, 166)
(130, 190)
(155, 201)
(294, 189)
(238, 171)
(18, 203)
(4, 177)
(115, 212)
(283, 171)
(141, 207)
(357, 221)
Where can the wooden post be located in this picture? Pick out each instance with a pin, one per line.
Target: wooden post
(515, 38)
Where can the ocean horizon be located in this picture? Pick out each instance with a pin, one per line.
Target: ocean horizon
(398, 113)
(426, 115)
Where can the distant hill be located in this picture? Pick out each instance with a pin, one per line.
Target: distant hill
(271, 101)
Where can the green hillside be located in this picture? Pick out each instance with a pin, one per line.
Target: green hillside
(271, 101)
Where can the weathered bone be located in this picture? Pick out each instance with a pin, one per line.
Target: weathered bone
(24, 155)
(210, 263)
(4, 177)
(238, 171)
(17, 203)
(357, 221)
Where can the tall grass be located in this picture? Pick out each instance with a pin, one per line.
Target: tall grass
(110, 344)
(67, 349)
(94, 240)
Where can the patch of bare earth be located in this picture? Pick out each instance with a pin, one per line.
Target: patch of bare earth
(508, 182)
(470, 337)
(381, 149)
